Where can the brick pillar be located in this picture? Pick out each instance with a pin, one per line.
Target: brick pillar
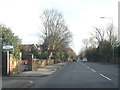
(11, 63)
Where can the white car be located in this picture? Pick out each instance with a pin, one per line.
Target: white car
(84, 59)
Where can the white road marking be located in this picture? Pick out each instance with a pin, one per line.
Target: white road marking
(86, 66)
(100, 73)
(93, 70)
(105, 76)
(30, 81)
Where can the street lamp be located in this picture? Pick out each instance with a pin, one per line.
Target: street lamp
(112, 29)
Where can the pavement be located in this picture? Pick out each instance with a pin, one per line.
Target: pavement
(7, 82)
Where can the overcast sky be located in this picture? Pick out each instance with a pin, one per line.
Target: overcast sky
(22, 16)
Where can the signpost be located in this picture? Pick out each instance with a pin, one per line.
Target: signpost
(7, 47)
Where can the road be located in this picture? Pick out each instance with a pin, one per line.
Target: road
(70, 75)
(81, 75)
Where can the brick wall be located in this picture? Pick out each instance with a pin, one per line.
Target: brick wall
(42, 63)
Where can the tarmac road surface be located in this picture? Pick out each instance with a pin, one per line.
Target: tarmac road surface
(81, 75)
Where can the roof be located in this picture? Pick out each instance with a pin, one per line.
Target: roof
(26, 47)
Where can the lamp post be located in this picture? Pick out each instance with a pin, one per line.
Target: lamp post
(112, 29)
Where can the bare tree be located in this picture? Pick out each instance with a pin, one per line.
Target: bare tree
(99, 34)
(112, 36)
(55, 32)
(92, 42)
(70, 52)
(86, 42)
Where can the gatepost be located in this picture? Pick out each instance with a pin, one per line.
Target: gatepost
(8, 47)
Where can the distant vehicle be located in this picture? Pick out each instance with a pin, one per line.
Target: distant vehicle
(74, 60)
(84, 59)
(80, 59)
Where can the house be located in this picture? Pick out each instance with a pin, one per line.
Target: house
(29, 51)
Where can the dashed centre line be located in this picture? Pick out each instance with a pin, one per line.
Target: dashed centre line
(105, 76)
(99, 74)
(30, 81)
(93, 70)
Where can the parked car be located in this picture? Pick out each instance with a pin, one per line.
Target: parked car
(25, 64)
(84, 59)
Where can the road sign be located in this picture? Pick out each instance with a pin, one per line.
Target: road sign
(7, 47)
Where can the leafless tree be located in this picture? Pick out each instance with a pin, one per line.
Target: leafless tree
(70, 52)
(92, 42)
(55, 32)
(111, 33)
(86, 42)
(99, 34)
